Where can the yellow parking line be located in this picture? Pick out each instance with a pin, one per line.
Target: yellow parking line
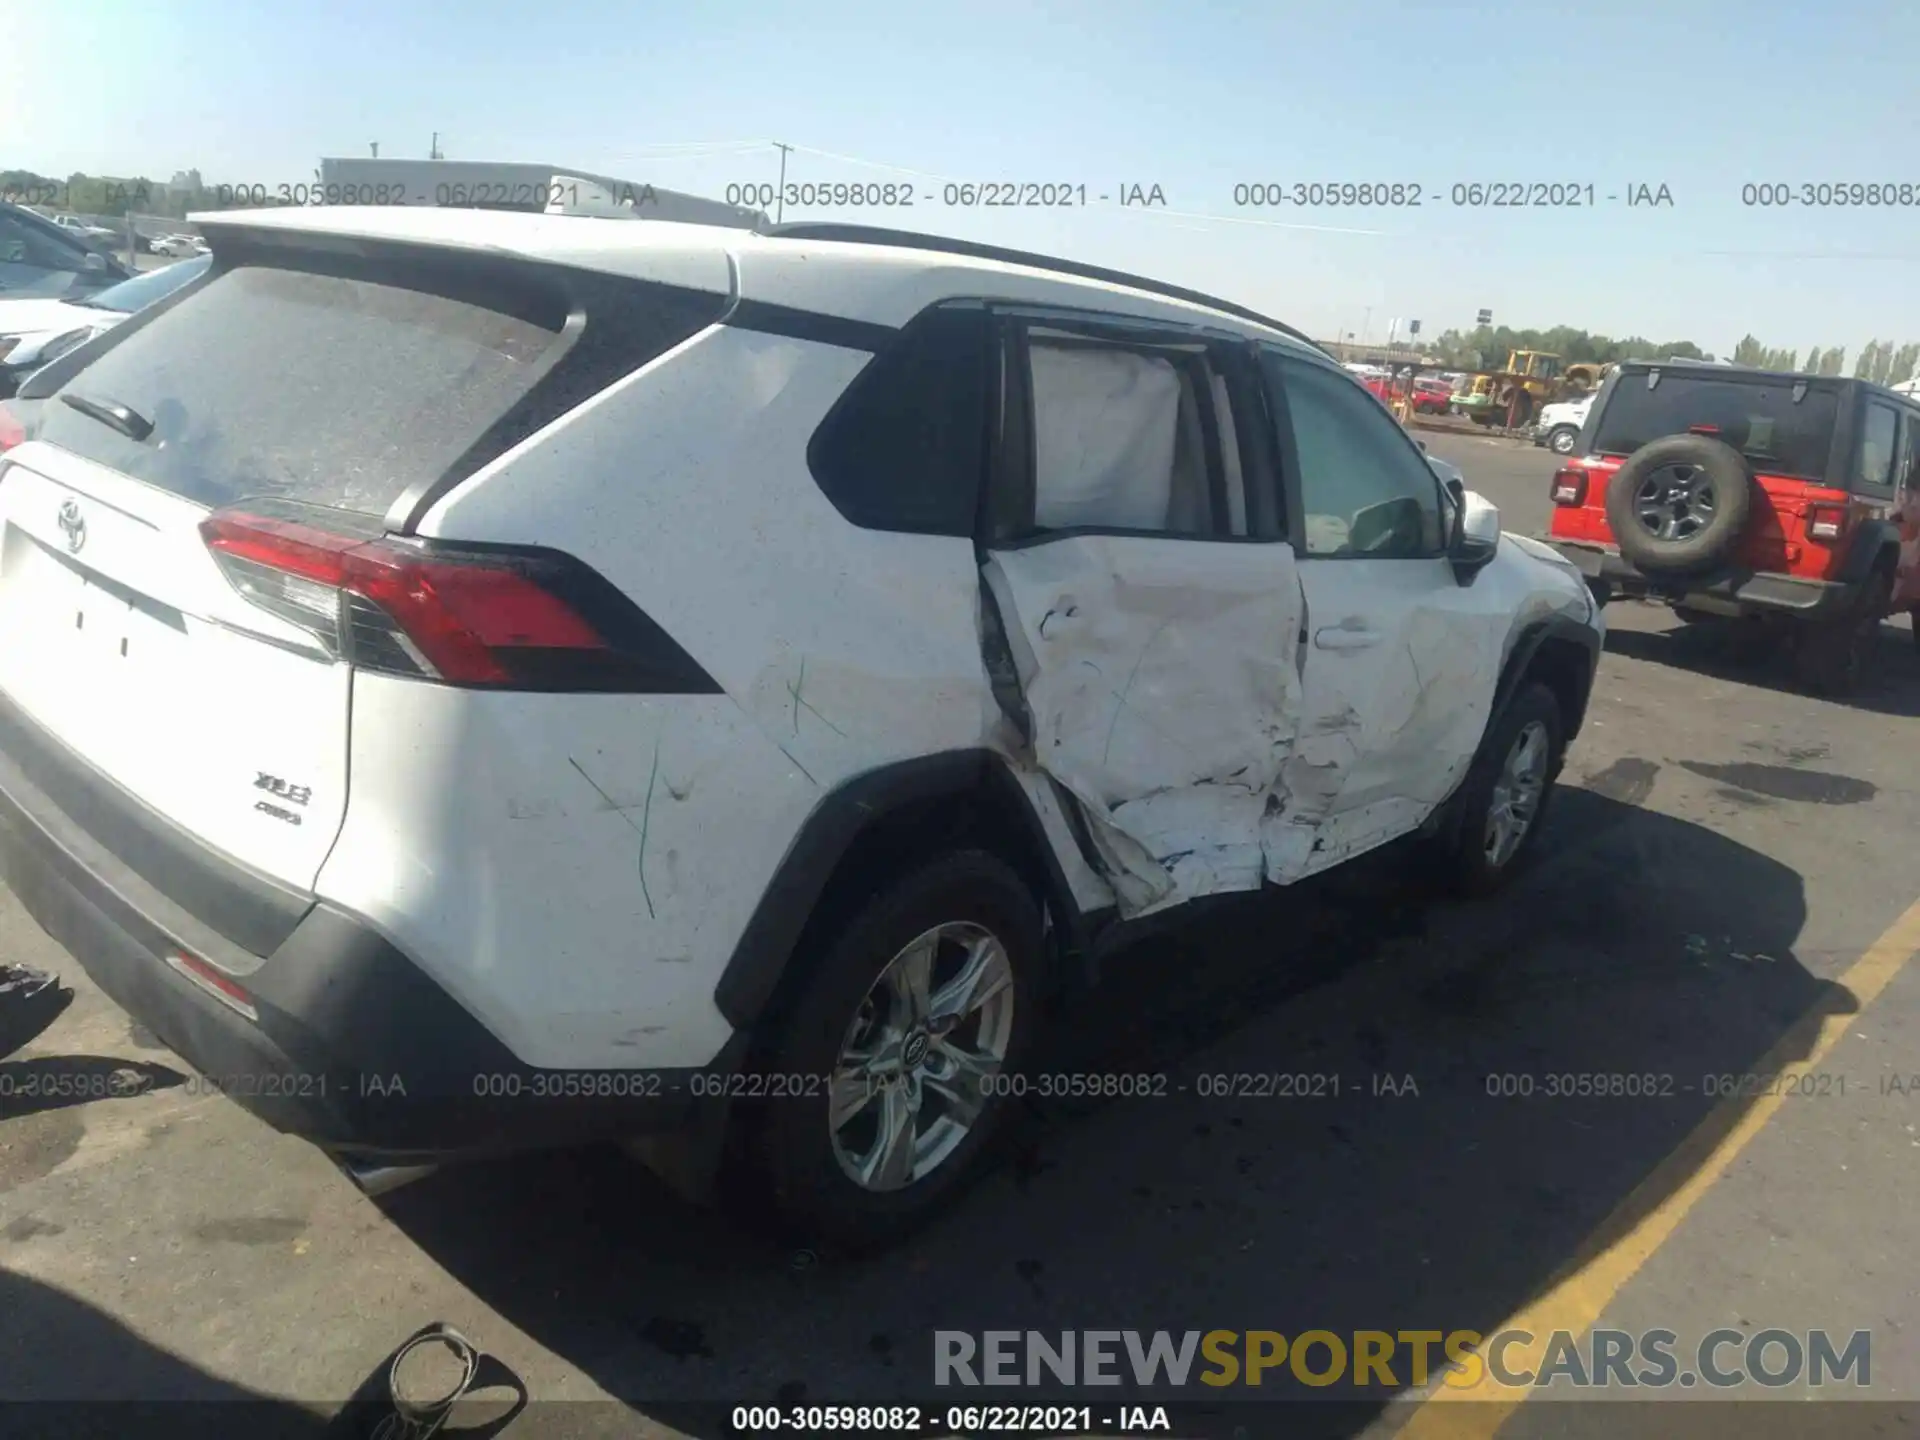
(1642, 1223)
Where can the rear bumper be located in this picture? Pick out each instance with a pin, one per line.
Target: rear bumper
(1735, 590)
(355, 1048)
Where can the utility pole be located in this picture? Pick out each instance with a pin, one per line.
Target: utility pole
(1366, 327)
(376, 148)
(780, 195)
(433, 152)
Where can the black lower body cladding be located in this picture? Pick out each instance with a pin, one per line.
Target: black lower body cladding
(352, 1045)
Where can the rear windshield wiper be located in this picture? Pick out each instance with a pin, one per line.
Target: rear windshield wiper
(129, 422)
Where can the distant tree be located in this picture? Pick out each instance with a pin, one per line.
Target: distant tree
(1813, 360)
(1904, 361)
(1749, 351)
(1863, 367)
(1883, 363)
(1834, 361)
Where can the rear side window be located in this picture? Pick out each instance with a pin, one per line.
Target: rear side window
(1873, 466)
(905, 448)
(1761, 419)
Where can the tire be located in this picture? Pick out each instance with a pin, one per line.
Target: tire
(1678, 505)
(1468, 858)
(806, 1166)
(1562, 438)
(1837, 657)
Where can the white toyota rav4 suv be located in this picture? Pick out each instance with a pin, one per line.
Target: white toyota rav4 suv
(482, 680)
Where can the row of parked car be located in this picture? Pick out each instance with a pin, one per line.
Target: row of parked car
(1432, 394)
(58, 290)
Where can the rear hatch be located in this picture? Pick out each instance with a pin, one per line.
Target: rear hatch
(1787, 427)
(137, 629)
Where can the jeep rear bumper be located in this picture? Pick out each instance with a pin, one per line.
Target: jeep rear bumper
(351, 1045)
(1728, 591)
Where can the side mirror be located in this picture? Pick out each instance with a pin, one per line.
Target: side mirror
(1421, 443)
(1476, 538)
(95, 263)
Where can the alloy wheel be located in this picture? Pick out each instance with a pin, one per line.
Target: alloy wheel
(1674, 502)
(919, 1060)
(1516, 794)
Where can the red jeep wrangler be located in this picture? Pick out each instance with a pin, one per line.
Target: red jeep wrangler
(1789, 501)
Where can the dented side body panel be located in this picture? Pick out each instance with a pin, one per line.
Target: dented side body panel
(1162, 690)
(1392, 725)
(1246, 719)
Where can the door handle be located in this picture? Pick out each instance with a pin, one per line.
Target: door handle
(1336, 637)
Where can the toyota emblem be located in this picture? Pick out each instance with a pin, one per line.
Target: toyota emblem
(73, 524)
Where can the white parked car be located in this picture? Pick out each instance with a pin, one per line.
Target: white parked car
(92, 233)
(33, 332)
(1558, 427)
(502, 680)
(179, 245)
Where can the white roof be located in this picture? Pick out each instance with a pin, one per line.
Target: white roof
(881, 284)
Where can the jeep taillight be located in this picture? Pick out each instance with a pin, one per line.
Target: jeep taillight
(499, 616)
(1570, 486)
(1826, 522)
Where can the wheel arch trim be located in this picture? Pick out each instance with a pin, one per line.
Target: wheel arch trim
(1555, 629)
(1872, 542)
(767, 946)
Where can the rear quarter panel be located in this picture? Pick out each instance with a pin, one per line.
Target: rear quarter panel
(579, 869)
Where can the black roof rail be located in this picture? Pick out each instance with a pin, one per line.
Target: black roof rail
(948, 245)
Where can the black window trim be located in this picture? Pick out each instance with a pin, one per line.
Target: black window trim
(1290, 461)
(1012, 452)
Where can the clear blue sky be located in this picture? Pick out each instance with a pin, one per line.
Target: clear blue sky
(1699, 95)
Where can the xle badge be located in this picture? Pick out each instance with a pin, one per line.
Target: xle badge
(283, 789)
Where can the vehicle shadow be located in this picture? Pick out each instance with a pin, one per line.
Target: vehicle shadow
(1712, 647)
(73, 1370)
(1428, 1178)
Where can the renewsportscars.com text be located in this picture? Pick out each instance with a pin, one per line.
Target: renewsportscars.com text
(1364, 1359)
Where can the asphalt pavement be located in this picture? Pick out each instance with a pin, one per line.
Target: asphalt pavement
(1723, 886)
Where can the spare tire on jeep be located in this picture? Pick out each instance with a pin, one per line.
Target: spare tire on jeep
(1678, 505)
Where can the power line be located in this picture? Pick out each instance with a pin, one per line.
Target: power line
(780, 195)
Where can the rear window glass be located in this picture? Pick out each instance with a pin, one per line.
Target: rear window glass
(1759, 418)
(326, 389)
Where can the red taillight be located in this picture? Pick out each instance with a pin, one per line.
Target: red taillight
(1710, 431)
(1570, 486)
(13, 430)
(386, 605)
(1826, 523)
